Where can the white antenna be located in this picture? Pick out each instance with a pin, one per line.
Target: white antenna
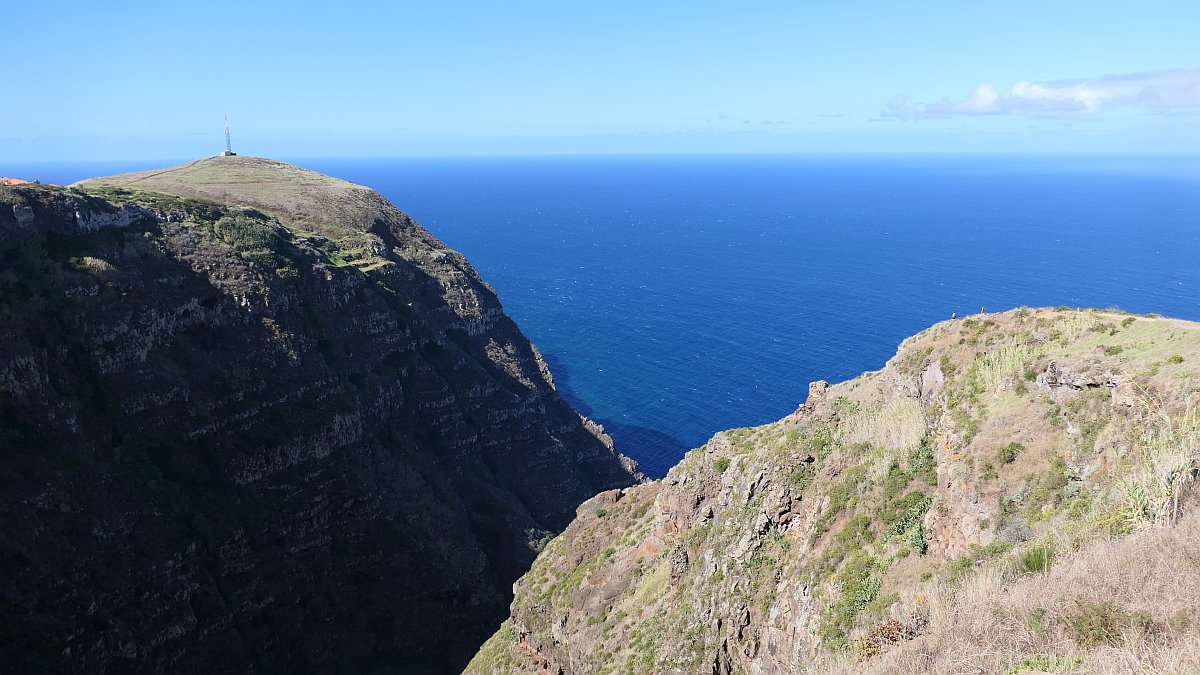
(228, 148)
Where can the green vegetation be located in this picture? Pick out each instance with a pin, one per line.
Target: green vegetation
(914, 361)
(1093, 624)
(1036, 558)
(258, 240)
(921, 464)
(193, 210)
(866, 475)
(1008, 454)
(976, 555)
(842, 494)
(1041, 663)
(1092, 411)
(803, 476)
(906, 521)
(948, 368)
(858, 585)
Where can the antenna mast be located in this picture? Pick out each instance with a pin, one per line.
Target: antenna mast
(228, 148)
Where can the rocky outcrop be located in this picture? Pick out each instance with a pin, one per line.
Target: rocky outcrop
(775, 549)
(274, 428)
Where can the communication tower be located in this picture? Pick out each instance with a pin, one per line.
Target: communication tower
(228, 148)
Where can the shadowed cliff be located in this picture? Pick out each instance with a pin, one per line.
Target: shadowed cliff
(256, 419)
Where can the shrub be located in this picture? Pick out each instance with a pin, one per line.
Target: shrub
(859, 583)
(914, 362)
(1045, 488)
(1175, 359)
(1037, 558)
(247, 234)
(895, 481)
(1008, 454)
(1113, 350)
(1096, 624)
(722, 464)
(803, 476)
(1169, 446)
(909, 523)
(920, 464)
(988, 471)
(820, 442)
(967, 424)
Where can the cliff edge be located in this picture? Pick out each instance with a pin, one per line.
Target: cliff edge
(1011, 493)
(256, 419)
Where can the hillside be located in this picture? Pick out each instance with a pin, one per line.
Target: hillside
(256, 419)
(1010, 493)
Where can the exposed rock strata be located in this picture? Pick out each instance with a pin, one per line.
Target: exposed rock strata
(331, 451)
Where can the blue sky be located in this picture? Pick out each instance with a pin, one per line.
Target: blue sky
(152, 80)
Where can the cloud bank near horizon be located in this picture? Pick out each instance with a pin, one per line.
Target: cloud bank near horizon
(1158, 91)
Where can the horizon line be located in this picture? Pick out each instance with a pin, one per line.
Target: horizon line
(681, 153)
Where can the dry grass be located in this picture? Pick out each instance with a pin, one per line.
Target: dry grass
(1074, 324)
(1001, 365)
(900, 425)
(303, 200)
(993, 622)
(893, 431)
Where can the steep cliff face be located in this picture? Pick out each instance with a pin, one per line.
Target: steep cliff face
(882, 525)
(257, 419)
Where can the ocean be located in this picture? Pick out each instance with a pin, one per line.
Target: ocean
(677, 296)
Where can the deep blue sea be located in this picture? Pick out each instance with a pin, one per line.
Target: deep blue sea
(677, 296)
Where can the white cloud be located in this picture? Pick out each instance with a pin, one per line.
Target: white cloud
(1158, 91)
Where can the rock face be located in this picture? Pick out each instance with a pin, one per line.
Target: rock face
(778, 548)
(254, 419)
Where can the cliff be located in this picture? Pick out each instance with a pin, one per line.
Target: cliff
(256, 419)
(1010, 493)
